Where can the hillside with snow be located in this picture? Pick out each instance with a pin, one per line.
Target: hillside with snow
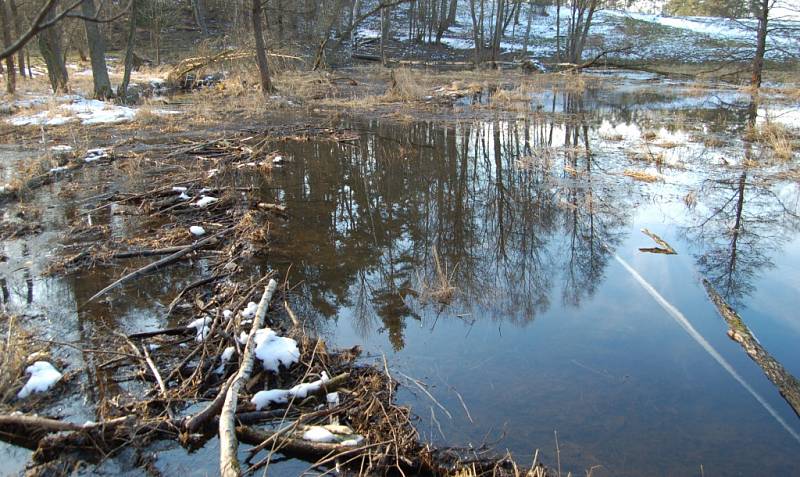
(638, 33)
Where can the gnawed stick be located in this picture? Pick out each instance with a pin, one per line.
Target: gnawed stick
(228, 444)
(194, 423)
(788, 386)
(665, 248)
(156, 265)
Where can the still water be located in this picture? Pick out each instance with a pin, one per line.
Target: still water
(497, 261)
(549, 333)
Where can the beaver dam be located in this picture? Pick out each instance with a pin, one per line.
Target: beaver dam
(582, 276)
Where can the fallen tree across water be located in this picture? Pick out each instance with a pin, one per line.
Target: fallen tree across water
(787, 384)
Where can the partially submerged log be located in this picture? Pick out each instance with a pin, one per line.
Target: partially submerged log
(787, 384)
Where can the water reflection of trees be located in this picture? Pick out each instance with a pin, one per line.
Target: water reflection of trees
(742, 220)
(514, 206)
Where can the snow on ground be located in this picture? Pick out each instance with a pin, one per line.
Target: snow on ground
(43, 377)
(68, 109)
(789, 117)
(691, 39)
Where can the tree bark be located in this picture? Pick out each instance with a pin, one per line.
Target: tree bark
(97, 52)
(451, 16)
(11, 74)
(50, 48)
(261, 50)
(353, 16)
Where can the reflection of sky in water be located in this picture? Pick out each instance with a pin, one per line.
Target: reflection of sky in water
(548, 331)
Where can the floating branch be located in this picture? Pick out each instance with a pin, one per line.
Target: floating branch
(663, 247)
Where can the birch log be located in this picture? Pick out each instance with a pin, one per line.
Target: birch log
(228, 443)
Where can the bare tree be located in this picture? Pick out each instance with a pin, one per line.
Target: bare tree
(761, 10)
(581, 15)
(122, 92)
(199, 10)
(15, 20)
(51, 50)
(11, 77)
(97, 52)
(261, 49)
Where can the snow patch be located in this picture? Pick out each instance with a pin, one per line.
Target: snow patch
(205, 200)
(43, 377)
(274, 350)
(250, 310)
(319, 434)
(224, 358)
(201, 325)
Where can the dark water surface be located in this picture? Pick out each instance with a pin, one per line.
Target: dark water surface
(557, 324)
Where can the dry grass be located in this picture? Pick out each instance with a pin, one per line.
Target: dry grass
(14, 351)
(439, 287)
(641, 175)
(405, 86)
(653, 157)
(778, 138)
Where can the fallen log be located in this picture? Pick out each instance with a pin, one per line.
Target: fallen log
(788, 386)
(228, 444)
(28, 430)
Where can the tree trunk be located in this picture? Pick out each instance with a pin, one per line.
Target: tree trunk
(122, 92)
(353, 16)
(527, 32)
(97, 51)
(498, 30)
(11, 74)
(761, 42)
(15, 20)
(442, 21)
(476, 31)
(199, 10)
(558, 30)
(261, 49)
(451, 16)
(228, 444)
(50, 48)
(385, 12)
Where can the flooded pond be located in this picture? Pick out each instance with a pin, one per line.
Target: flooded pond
(537, 229)
(498, 261)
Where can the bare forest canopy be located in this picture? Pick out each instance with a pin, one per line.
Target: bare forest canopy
(529, 33)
